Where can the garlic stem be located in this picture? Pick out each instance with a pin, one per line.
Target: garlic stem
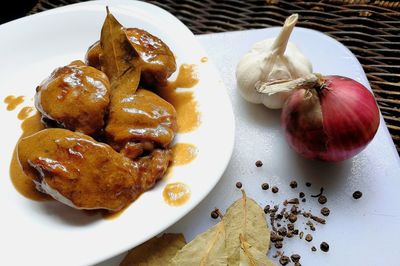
(271, 88)
(282, 40)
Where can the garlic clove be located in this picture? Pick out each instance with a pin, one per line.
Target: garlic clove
(269, 62)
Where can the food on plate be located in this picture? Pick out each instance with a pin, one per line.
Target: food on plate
(85, 174)
(140, 117)
(107, 139)
(92, 57)
(268, 62)
(155, 59)
(241, 238)
(75, 97)
(330, 118)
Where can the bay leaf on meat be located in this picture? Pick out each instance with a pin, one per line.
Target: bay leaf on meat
(157, 251)
(119, 59)
(245, 217)
(207, 249)
(250, 256)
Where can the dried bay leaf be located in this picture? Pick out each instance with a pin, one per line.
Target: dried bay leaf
(250, 256)
(245, 217)
(156, 251)
(119, 59)
(207, 249)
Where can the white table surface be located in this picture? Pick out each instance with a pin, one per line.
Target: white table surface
(359, 232)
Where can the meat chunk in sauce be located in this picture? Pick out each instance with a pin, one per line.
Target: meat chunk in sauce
(157, 60)
(75, 96)
(142, 117)
(85, 174)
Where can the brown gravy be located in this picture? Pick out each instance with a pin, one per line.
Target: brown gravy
(188, 117)
(204, 59)
(24, 113)
(23, 183)
(176, 194)
(183, 153)
(13, 101)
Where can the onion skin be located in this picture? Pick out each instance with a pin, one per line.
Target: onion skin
(331, 122)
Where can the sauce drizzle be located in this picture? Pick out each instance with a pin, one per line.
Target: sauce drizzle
(176, 194)
(188, 117)
(22, 182)
(183, 153)
(12, 101)
(24, 113)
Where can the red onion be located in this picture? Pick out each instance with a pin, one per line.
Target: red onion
(332, 120)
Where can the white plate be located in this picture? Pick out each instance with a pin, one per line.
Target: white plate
(37, 233)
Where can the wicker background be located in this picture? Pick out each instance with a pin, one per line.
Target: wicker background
(370, 29)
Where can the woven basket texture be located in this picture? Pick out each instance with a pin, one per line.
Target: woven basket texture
(370, 29)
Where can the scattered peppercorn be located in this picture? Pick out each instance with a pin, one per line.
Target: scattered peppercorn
(289, 234)
(239, 185)
(292, 201)
(297, 264)
(308, 184)
(275, 237)
(357, 194)
(282, 231)
(296, 231)
(318, 219)
(275, 189)
(265, 186)
(295, 257)
(325, 211)
(214, 214)
(290, 227)
(284, 260)
(301, 194)
(324, 247)
(266, 209)
(301, 235)
(308, 238)
(292, 218)
(293, 184)
(278, 244)
(313, 248)
(303, 200)
(259, 163)
(322, 199)
(311, 225)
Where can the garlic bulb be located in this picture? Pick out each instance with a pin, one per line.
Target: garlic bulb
(270, 62)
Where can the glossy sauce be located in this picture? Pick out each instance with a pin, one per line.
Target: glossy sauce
(176, 194)
(183, 153)
(204, 59)
(24, 113)
(23, 183)
(12, 102)
(188, 117)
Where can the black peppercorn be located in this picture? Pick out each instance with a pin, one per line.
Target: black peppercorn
(324, 247)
